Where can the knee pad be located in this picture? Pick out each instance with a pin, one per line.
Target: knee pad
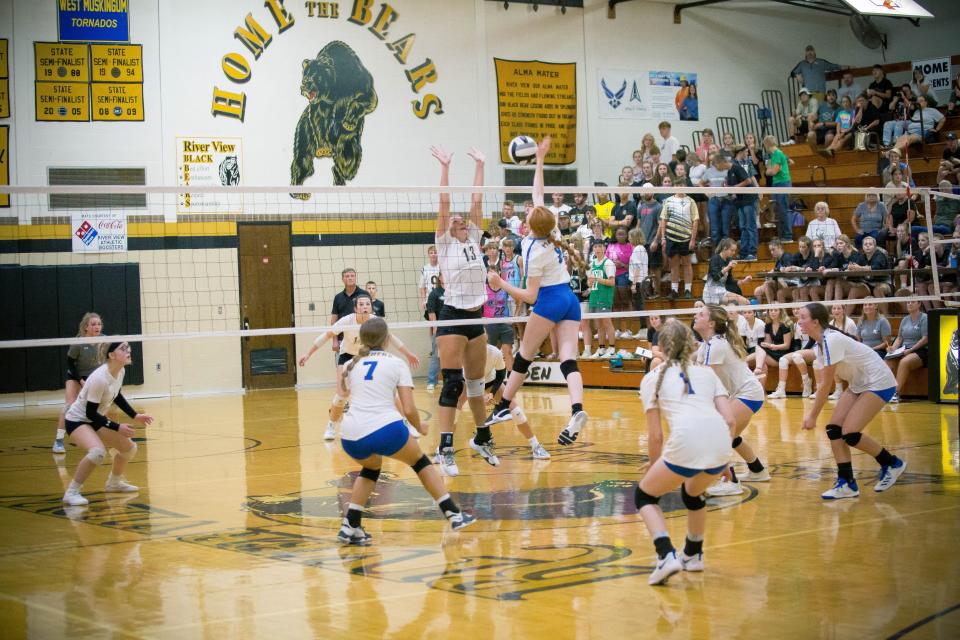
(783, 363)
(852, 438)
(96, 455)
(641, 498)
(737, 442)
(518, 415)
(475, 388)
(567, 367)
(692, 503)
(817, 365)
(130, 453)
(369, 474)
(834, 432)
(452, 387)
(338, 400)
(421, 464)
(521, 364)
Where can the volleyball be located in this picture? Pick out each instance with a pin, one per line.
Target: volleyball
(523, 150)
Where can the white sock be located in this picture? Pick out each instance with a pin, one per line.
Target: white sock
(781, 386)
(687, 286)
(675, 286)
(60, 434)
(74, 487)
(533, 441)
(805, 379)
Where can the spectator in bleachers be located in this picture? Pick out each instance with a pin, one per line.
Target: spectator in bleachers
(690, 107)
(604, 208)
(848, 87)
(738, 175)
(871, 218)
(811, 287)
(753, 152)
(770, 291)
(681, 158)
(619, 252)
(504, 233)
(823, 226)
(678, 227)
(510, 215)
(873, 328)
(585, 230)
(638, 271)
(648, 216)
(626, 176)
(778, 168)
(947, 212)
(563, 225)
(920, 87)
(906, 252)
(926, 119)
(649, 149)
(795, 264)
(923, 280)
(872, 259)
(727, 144)
(706, 139)
(637, 162)
(901, 107)
(559, 206)
(646, 171)
(578, 210)
(812, 71)
(953, 103)
(913, 338)
(847, 119)
(624, 213)
(667, 181)
(825, 127)
(893, 160)
(951, 155)
(839, 260)
(719, 207)
(777, 342)
(668, 144)
(902, 206)
(721, 286)
(804, 114)
(881, 86)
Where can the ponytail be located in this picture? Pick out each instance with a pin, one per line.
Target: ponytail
(362, 352)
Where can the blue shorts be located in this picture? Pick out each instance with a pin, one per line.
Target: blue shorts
(557, 303)
(885, 394)
(385, 441)
(687, 472)
(753, 405)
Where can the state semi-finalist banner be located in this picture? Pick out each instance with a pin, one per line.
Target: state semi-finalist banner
(538, 99)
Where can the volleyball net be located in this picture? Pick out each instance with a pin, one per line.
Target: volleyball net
(218, 285)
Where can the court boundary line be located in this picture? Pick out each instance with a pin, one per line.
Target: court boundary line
(923, 621)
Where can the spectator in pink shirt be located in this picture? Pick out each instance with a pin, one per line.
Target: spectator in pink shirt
(619, 252)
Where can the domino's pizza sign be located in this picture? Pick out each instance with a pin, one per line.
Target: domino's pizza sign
(102, 232)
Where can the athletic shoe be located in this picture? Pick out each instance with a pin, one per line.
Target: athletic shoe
(58, 446)
(460, 520)
(691, 563)
(779, 393)
(623, 353)
(835, 395)
(842, 489)
(895, 399)
(807, 389)
(611, 352)
(725, 488)
(572, 430)
(750, 258)
(353, 535)
(586, 354)
(687, 294)
(762, 476)
(119, 485)
(618, 334)
(596, 355)
(673, 295)
(666, 567)
(496, 417)
(331, 431)
(539, 453)
(889, 475)
(486, 452)
(431, 387)
(74, 499)
(447, 464)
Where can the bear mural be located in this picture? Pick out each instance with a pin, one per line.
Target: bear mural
(340, 94)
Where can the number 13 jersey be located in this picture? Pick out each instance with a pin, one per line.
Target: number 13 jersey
(461, 263)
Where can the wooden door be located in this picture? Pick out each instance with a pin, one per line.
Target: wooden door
(266, 302)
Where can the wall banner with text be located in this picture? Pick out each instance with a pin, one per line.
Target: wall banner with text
(538, 99)
(936, 74)
(99, 232)
(674, 94)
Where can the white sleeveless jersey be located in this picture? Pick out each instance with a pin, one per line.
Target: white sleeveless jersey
(372, 384)
(542, 259)
(699, 437)
(461, 263)
(100, 387)
(732, 371)
(351, 337)
(856, 363)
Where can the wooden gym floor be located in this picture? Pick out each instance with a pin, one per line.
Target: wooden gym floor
(232, 534)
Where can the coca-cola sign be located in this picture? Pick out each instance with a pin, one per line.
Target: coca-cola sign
(99, 232)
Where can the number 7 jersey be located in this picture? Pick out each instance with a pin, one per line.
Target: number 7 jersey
(372, 384)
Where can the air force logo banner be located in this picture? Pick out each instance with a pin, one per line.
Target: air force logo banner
(622, 94)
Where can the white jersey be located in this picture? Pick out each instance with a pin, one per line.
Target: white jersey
(752, 336)
(372, 384)
(849, 325)
(542, 259)
(732, 371)
(428, 277)
(494, 363)
(856, 363)
(100, 387)
(351, 337)
(798, 334)
(564, 208)
(699, 436)
(464, 277)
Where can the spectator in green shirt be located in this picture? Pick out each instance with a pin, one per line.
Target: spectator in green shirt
(778, 167)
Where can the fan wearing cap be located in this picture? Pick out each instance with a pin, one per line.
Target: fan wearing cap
(951, 157)
(88, 426)
(804, 114)
(812, 72)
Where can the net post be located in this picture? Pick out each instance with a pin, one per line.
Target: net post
(933, 247)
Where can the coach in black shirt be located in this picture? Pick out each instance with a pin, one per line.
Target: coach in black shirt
(343, 301)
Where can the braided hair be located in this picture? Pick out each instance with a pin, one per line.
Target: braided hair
(373, 335)
(727, 329)
(678, 345)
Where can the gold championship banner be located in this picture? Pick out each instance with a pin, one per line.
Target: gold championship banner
(116, 63)
(117, 101)
(538, 99)
(4, 78)
(4, 164)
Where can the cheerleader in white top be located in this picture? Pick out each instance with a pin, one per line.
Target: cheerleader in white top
(349, 325)
(462, 347)
(871, 385)
(495, 372)
(87, 425)
(723, 351)
(555, 306)
(373, 428)
(694, 403)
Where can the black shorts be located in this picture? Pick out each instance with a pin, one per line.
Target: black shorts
(468, 331)
(822, 134)
(654, 258)
(70, 426)
(922, 354)
(344, 358)
(678, 248)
